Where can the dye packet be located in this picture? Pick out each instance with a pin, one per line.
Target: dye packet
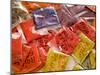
(45, 17)
(83, 48)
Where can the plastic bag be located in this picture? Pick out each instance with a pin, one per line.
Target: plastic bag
(45, 17)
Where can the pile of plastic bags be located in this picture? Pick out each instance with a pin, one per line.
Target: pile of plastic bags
(52, 37)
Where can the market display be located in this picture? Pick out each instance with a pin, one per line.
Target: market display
(50, 37)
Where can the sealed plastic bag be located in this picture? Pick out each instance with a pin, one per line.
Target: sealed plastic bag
(86, 28)
(17, 59)
(65, 40)
(56, 61)
(45, 17)
(83, 48)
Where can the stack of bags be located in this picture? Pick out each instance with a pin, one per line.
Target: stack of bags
(53, 37)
